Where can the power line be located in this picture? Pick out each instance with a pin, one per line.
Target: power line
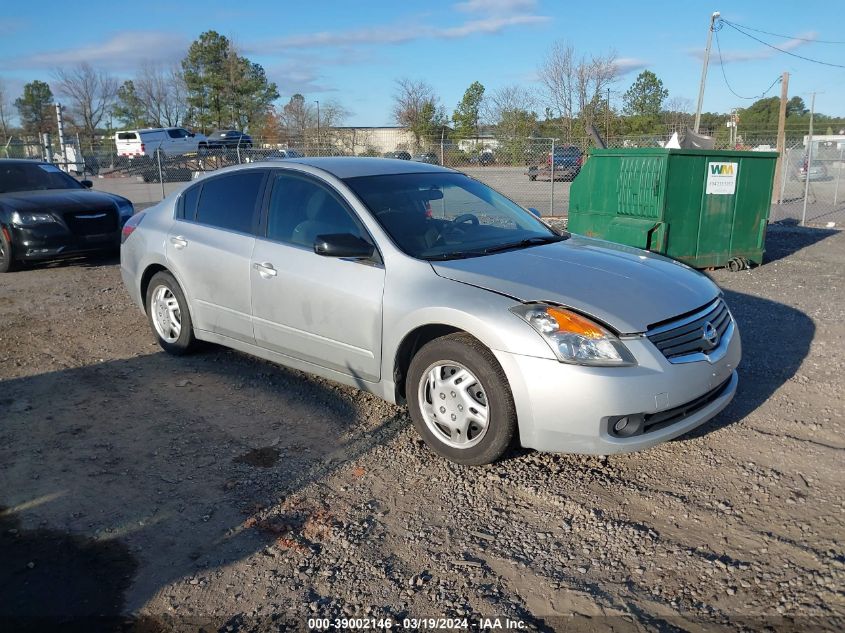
(786, 37)
(725, 76)
(757, 39)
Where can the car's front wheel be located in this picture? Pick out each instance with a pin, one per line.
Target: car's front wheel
(460, 400)
(7, 262)
(169, 316)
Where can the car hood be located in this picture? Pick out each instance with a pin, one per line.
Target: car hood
(626, 288)
(59, 200)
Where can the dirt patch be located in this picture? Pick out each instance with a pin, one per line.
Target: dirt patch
(265, 457)
(345, 512)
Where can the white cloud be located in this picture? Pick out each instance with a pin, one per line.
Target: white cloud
(495, 6)
(492, 16)
(760, 53)
(125, 50)
(625, 65)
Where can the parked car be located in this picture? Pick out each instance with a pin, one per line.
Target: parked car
(568, 160)
(427, 157)
(257, 155)
(170, 141)
(399, 154)
(818, 171)
(424, 286)
(46, 214)
(229, 139)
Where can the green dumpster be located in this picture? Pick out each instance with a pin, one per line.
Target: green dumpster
(707, 208)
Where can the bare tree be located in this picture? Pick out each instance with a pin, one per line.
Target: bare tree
(676, 113)
(162, 93)
(575, 87)
(416, 107)
(91, 93)
(4, 110)
(558, 76)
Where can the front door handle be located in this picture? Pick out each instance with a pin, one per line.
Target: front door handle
(265, 269)
(179, 242)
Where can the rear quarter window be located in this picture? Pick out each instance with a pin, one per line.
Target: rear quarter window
(187, 207)
(230, 202)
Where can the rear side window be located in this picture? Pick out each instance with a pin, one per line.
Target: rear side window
(229, 202)
(127, 136)
(188, 203)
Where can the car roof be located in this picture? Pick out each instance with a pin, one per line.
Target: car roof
(353, 167)
(23, 161)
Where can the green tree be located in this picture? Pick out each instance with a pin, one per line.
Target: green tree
(466, 115)
(796, 106)
(35, 108)
(645, 96)
(224, 89)
(128, 107)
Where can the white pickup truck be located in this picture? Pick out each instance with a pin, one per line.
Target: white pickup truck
(170, 141)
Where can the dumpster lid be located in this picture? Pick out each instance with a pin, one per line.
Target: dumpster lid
(666, 151)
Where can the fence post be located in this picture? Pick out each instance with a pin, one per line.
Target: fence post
(552, 179)
(785, 174)
(160, 173)
(838, 176)
(442, 132)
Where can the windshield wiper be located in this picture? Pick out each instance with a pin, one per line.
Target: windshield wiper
(453, 255)
(531, 241)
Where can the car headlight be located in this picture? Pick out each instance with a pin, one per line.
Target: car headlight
(30, 219)
(125, 208)
(574, 338)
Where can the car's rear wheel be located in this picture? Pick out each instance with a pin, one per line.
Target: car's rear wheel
(460, 400)
(7, 262)
(169, 316)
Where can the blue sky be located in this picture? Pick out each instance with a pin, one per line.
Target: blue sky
(352, 52)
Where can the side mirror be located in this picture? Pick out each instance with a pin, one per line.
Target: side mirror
(534, 212)
(86, 183)
(343, 245)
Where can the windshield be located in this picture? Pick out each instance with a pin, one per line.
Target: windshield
(447, 215)
(33, 177)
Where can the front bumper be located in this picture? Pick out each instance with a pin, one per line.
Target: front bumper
(571, 408)
(54, 241)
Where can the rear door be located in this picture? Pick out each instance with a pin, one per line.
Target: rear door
(210, 248)
(322, 310)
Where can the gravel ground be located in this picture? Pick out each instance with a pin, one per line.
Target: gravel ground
(219, 492)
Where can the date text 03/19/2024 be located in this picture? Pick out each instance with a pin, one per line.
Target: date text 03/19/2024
(431, 624)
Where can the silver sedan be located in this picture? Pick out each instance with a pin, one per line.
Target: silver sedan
(424, 286)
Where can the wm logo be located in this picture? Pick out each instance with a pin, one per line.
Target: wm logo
(725, 169)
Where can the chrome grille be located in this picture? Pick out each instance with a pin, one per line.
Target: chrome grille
(698, 333)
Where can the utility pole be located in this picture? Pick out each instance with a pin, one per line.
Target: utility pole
(713, 19)
(781, 143)
(318, 128)
(60, 128)
(809, 160)
(607, 117)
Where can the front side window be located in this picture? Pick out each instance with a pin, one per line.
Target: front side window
(445, 215)
(301, 209)
(229, 202)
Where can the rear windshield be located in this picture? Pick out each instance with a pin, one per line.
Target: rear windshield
(127, 136)
(34, 177)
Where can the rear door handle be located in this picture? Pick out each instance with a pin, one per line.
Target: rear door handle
(179, 242)
(265, 269)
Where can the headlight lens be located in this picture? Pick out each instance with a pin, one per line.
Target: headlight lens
(29, 219)
(125, 208)
(574, 338)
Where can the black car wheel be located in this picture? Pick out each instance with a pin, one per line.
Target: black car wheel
(7, 263)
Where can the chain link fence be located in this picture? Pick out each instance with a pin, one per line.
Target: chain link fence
(535, 172)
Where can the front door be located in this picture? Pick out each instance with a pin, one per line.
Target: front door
(322, 310)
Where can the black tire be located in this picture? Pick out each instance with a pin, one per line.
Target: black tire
(467, 351)
(185, 343)
(532, 178)
(7, 262)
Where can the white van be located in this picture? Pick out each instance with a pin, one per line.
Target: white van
(170, 140)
